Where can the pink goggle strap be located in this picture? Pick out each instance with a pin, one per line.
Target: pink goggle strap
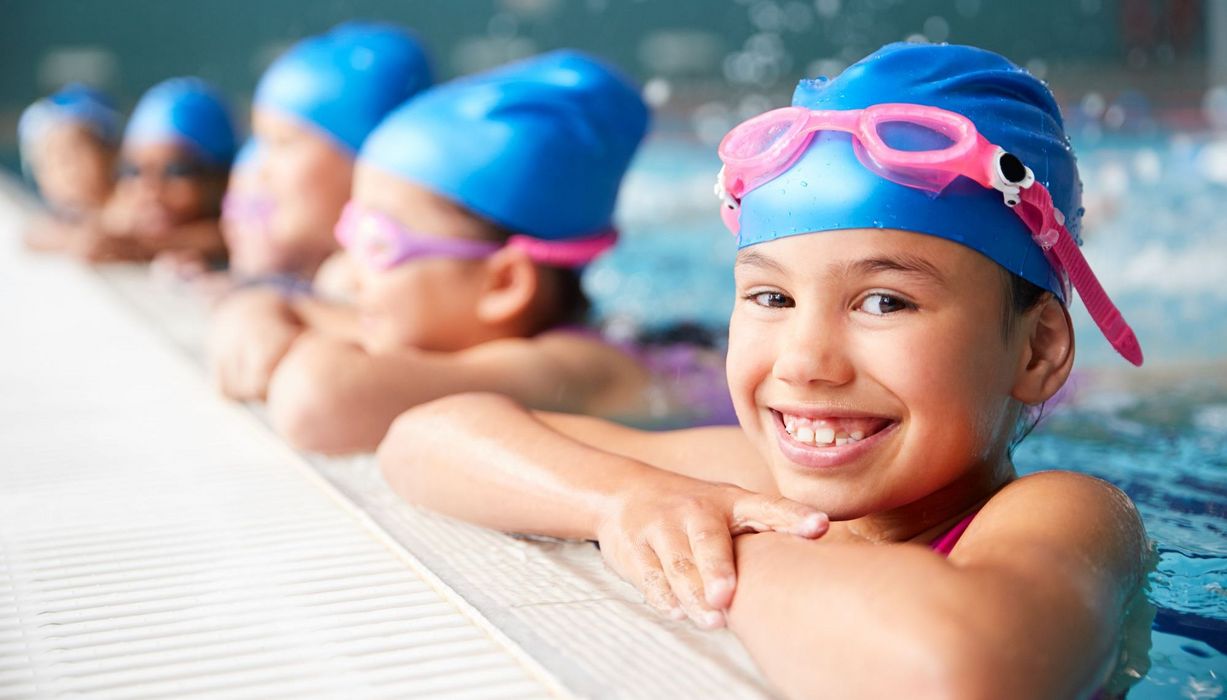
(567, 253)
(1038, 213)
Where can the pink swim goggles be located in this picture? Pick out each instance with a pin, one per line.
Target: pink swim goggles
(760, 149)
(381, 242)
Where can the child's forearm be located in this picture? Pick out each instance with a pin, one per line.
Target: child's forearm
(831, 619)
(484, 459)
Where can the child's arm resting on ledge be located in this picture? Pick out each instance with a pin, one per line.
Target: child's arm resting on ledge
(1028, 605)
(329, 395)
(484, 459)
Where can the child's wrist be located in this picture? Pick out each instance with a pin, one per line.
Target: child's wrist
(629, 481)
(609, 498)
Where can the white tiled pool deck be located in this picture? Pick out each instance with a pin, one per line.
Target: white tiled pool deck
(158, 541)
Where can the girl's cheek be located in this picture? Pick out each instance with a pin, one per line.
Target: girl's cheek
(749, 357)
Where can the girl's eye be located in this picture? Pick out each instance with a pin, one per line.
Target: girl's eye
(880, 304)
(775, 300)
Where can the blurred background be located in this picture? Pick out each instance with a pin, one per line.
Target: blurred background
(1142, 84)
(690, 50)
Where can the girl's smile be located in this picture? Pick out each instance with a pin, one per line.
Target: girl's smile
(825, 439)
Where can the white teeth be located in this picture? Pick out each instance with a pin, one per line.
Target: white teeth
(818, 432)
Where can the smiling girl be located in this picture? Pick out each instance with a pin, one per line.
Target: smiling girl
(907, 234)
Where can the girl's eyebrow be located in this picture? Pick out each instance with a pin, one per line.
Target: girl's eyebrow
(903, 263)
(757, 259)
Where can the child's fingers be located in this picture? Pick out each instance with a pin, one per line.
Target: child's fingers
(653, 583)
(677, 560)
(757, 512)
(712, 545)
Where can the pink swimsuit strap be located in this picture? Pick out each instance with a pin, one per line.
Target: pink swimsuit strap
(943, 544)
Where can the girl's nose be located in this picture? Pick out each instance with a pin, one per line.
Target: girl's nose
(813, 351)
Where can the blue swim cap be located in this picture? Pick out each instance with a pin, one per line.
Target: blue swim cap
(71, 104)
(187, 111)
(538, 146)
(829, 189)
(346, 80)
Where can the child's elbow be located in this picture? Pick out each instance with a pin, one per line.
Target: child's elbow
(399, 454)
(950, 660)
(953, 673)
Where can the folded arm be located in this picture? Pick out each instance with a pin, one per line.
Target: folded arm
(329, 395)
(1028, 605)
(484, 459)
(201, 238)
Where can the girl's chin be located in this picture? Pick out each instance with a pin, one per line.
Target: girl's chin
(839, 502)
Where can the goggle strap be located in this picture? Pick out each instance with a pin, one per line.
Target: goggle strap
(1105, 314)
(565, 253)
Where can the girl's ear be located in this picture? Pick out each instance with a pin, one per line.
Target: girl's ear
(510, 284)
(1047, 357)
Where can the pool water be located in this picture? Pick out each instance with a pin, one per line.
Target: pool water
(1157, 235)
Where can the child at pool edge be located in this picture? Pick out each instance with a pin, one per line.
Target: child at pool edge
(863, 532)
(311, 111)
(475, 206)
(173, 165)
(69, 142)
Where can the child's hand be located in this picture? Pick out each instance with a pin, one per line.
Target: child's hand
(252, 331)
(673, 539)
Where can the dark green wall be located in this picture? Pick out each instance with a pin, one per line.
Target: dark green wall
(229, 41)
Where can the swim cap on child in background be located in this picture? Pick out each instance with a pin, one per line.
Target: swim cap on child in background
(831, 186)
(186, 111)
(72, 104)
(538, 147)
(343, 82)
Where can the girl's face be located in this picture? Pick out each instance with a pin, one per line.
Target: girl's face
(308, 179)
(870, 367)
(163, 185)
(74, 169)
(427, 303)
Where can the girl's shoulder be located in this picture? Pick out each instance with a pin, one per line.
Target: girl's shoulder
(1062, 492)
(1059, 518)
